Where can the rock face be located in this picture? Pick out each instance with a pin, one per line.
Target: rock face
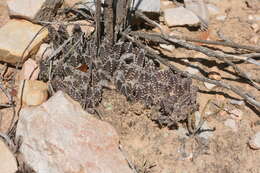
(14, 41)
(59, 136)
(25, 8)
(180, 17)
(8, 163)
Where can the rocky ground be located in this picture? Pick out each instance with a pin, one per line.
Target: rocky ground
(54, 134)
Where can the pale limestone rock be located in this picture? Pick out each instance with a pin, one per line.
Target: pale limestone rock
(25, 8)
(59, 136)
(199, 8)
(33, 92)
(30, 70)
(15, 36)
(4, 13)
(254, 142)
(147, 5)
(180, 17)
(8, 162)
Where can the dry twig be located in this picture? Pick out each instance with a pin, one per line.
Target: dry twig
(218, 54)
(157, 38)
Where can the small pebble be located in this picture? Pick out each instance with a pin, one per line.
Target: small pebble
(221, 17)
(250, 17)
(167, 47)
(255, 27)
(180, 16)
(209, 85)
(254, 142)
(231, 123)
(237, 102)
(254, 39)
(214, 76)
(192, 70)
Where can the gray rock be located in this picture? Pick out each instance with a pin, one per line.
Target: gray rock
(59, 136)
(25, 8)
(237, 102)
(254, 143)
(199, 8)
(147, 5)
(180, 17)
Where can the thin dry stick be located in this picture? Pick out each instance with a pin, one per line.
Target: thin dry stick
(239, 92)
(157, 38)
(220, 55)
(228, 44)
